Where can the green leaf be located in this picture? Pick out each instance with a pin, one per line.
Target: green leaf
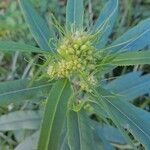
(55, 115)
(132, 58)
(110, 133)
(64, 139)
(133, 40)
(29, 143)
(126, 116)
(18, 90)
(20, 120)
(9, 46)
(100, 110)
(37, 25)
(80, 135)
(74, 15)
(134, 85)
(144, 114)
(105, 22)
(100, 142)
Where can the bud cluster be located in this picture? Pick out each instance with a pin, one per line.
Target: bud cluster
(77, 55)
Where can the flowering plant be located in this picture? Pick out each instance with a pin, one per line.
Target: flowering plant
(72, 80)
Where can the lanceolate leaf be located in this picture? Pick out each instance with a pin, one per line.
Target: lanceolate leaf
(135, 39)
(38, 27)
(55, 115)
(9, 46)
(127, 117)
(29, 143)
(130, 86)
(18, 91)
(100, 142)
(20, 120)
(105, 22)
(74, 15)
(132, 58)
(110, 133)
(80, 135)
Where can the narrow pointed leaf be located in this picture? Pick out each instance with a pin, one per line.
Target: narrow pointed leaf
(134, 85)
(105, 22)
(110, 133)
(80, 135)
(37, 25)
(100, 142)
(132, 58)
(20, 120)
(55, 115)
(29, 143)
(135, 39)
(74, 15)
(127, 117)
(18, 91)
(9, 46)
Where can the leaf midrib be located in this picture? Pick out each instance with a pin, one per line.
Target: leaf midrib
(55, 109)
(136, 86)
(134, 39)
(78, 124)
(125, 59)
(128, 118)
(23, 90)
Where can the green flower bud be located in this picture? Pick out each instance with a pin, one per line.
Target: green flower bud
(50, 70)
(75, 62)
(79, 41)
(79, 66)
(78, 52)
(84, 47)
(88, 43)
(63, 47)
(70, 50)
(90, 58)
(79, 60)
(90, 52)
(76, 46)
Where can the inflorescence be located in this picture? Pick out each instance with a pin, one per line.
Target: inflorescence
(76, 56)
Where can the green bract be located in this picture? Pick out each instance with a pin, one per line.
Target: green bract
(72, 81)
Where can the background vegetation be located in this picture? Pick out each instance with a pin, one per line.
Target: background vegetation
(17, 65)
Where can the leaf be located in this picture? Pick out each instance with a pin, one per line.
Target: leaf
(126, 116)
(55, 115)
(110, 133)
(133, 40)
(105, 22)
(9, 46)
(64, 139)
(20, 120)
(37, 25)
(134, 85)
(29, 143)
(100, 141)
(18, 90)
(143, 114)
(100, 110)
(132, 58)
(80, 135)
(126, 80)
(74, 15)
